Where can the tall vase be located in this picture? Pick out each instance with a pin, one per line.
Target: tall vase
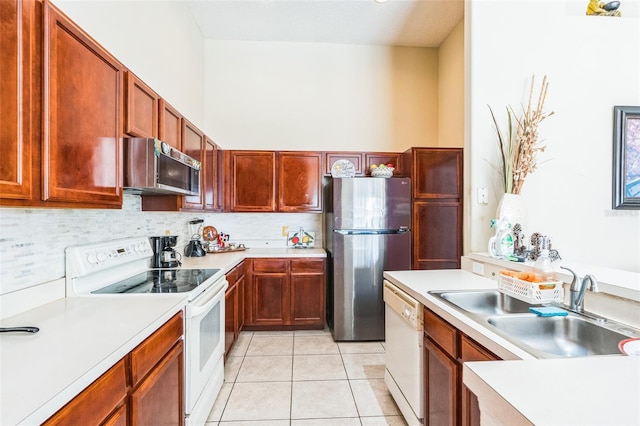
(512, 207)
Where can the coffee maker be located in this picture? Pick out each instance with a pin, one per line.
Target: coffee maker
(164, 254)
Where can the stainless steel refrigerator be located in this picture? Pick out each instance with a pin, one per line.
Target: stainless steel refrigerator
(367, 231)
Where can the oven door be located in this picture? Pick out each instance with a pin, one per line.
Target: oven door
(204, 349)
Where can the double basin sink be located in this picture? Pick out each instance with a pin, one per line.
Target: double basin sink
(573, 335)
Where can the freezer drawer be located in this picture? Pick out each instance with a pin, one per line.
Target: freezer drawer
(358, 265)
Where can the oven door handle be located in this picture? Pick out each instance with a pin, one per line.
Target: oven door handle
(209, 298)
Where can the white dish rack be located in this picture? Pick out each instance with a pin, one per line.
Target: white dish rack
(530, 292)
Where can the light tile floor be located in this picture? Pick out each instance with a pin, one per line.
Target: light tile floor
(304, 378)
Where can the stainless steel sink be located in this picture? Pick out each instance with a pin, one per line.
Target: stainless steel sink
(484, 302)
(574, 335)
(568, 336)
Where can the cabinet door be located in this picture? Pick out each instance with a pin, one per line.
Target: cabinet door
(230, 317)
(472, 351)
(213, 199)
(141, 108)
(437, 173)
(307, 292)
(252, 186)
(240, 285)
(299, 181)
(270, 298)
(193, 144)
(378, 158)
(97, 402)
(18, 98)
(82, 155)
(170, 125)
(437, 234)
(441, 386)
(159, 398)
(355, 158)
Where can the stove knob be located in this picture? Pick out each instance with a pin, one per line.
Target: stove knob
(142, 247)
(92, 258)
(102, 257)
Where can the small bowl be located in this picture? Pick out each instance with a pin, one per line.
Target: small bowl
(612, 5)
(386, 172)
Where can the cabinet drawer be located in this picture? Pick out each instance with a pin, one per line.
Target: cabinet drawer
(307, 265)
(97, 401)
(148, 353)
(270, 265)
(443, 333)
(472, 351)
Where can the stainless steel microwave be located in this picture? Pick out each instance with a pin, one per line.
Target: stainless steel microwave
(153, 167)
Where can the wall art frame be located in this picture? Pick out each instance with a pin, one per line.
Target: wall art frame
(626, 157)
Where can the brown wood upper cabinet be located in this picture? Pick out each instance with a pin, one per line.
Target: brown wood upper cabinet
(62, 113)
(19, 100)
(213, 176)
(356, 159)
(141, 108)
(436, 180)
(269, 181)
(193, 144)
(83, 115)
(170, 125)
(252, 181)
(299, 181)
(378, 158)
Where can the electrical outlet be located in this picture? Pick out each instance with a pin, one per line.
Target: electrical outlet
(285, 231)
(478, 268)
(483, 195)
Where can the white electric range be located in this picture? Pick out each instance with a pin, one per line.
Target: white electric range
(120, 268)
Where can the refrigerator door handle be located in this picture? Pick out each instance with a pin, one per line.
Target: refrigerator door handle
(400, 230)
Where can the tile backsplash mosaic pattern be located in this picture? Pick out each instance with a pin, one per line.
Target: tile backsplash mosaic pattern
(32, 241)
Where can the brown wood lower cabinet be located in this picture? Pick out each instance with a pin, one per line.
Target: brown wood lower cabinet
(447, 400)
(285, 293)
(234, 307)
(146, 387)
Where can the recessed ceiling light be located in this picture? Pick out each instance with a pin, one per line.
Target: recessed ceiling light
(381, 1)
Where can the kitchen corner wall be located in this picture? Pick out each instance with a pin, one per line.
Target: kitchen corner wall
(32, 241)
(592, 63)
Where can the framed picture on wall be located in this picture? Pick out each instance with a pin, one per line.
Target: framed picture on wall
(626, 157)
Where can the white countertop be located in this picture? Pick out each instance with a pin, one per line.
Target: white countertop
(602, 390)
(226, 261)
(79, 339)
(578, 391)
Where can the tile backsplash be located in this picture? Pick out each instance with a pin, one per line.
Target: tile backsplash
(32, 241)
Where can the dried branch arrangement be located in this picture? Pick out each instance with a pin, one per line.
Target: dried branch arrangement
(519, 146)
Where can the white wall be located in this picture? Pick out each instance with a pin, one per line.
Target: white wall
(593, 63)
(295, 96)
(158, 40)
(451, 89)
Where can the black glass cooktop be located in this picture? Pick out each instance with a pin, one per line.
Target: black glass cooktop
(161, 281)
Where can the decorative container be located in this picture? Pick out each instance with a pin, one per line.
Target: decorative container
(384, 173)
(533, 293)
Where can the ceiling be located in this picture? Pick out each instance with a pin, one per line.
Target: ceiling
(421, 23)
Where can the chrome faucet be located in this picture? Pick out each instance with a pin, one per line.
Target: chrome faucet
(578, 288)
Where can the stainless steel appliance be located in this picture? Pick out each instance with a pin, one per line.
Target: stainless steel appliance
(194, 247)
(403, 373)
(120, 268)
(367, 231)
(153, 167)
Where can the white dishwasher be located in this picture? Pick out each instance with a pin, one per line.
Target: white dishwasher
(404, 357)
